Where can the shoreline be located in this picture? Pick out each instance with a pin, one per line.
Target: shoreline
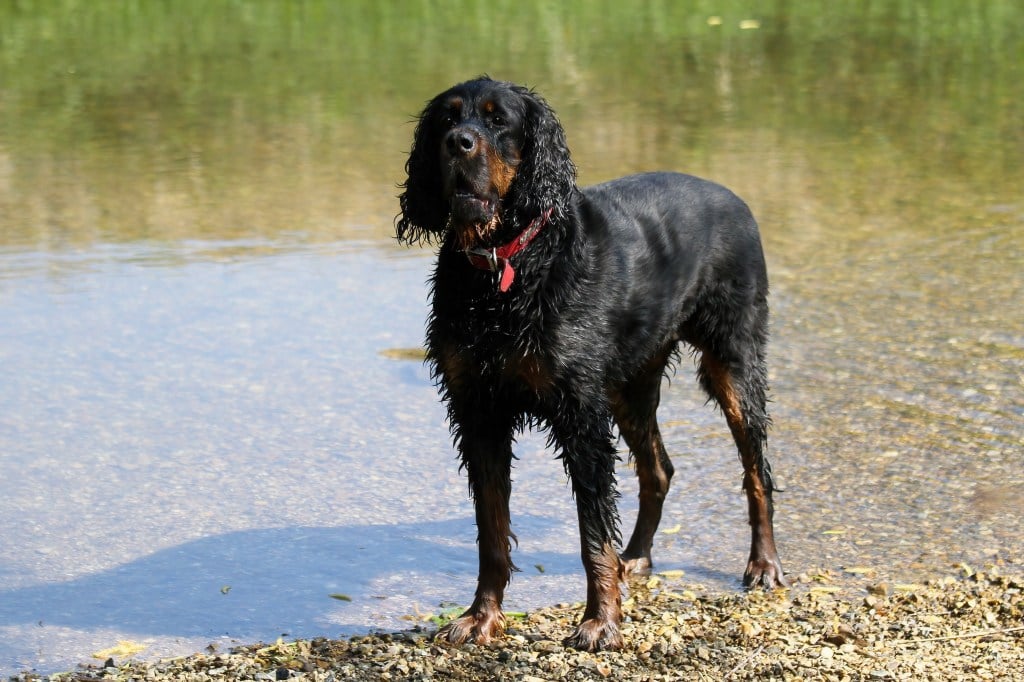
(968, 626)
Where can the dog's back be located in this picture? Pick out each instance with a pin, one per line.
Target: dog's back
(669, 246)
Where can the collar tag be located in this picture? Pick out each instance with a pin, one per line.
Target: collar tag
(507, 275)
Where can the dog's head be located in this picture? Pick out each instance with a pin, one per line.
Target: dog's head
(486, 155)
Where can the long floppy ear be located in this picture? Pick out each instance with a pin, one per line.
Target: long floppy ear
(546, 177)
(424, 211)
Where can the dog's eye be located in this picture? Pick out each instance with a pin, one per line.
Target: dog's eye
(497, 120)
(448, 121)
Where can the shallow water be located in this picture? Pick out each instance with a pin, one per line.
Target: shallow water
(212, 418)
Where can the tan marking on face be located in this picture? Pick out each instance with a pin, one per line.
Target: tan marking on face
(501, 171)
(469, 236)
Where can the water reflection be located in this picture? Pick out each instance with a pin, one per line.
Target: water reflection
(205, 354)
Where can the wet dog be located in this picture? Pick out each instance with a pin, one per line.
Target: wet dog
(562, 307)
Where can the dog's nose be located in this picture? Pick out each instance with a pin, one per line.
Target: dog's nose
(461, 142)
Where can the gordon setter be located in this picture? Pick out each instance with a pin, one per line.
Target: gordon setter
(561, 307)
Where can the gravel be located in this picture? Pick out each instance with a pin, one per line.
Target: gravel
(968, 626)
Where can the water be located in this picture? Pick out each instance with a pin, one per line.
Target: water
(211, 414)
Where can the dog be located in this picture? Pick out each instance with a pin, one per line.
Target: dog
(561, 308)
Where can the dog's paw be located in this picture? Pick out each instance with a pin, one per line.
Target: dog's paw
(636, 565)
(474, 626)
(595, 635)
(766, 573)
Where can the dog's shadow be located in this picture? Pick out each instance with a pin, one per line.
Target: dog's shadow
(299, 581)
(258, 585)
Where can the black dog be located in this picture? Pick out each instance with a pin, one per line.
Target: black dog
(561, 307)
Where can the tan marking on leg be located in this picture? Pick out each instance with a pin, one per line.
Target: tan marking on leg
(599, 629)
(531, 371)
(763, 566)
(452, 365)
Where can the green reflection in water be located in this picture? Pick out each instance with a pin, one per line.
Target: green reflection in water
(880, 145)
(153, 120)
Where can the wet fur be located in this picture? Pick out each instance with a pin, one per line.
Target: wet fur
(623, 272)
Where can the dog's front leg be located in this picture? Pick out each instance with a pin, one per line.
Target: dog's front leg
(589, 456)
(599, 628)
(488, 461)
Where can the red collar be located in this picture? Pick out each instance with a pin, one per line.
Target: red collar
(498, 257)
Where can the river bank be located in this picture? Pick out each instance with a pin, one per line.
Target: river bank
(969, 626)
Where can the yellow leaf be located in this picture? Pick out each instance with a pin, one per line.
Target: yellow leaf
(123, 648)
(749, 24)
(834, 531)
(414, 354)
(673, 573)
(674, 529)
(859, 570)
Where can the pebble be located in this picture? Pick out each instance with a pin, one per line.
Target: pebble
(953, 623)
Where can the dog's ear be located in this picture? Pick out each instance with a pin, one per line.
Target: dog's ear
(546, 177)
(424, 212)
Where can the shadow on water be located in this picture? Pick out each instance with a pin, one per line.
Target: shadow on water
(258, 585)
(268, 583)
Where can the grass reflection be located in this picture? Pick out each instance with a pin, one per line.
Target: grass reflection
(234, 119)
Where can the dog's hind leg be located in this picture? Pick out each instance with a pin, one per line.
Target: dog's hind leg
(739, 386)
(635, 406)
(488, 462)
